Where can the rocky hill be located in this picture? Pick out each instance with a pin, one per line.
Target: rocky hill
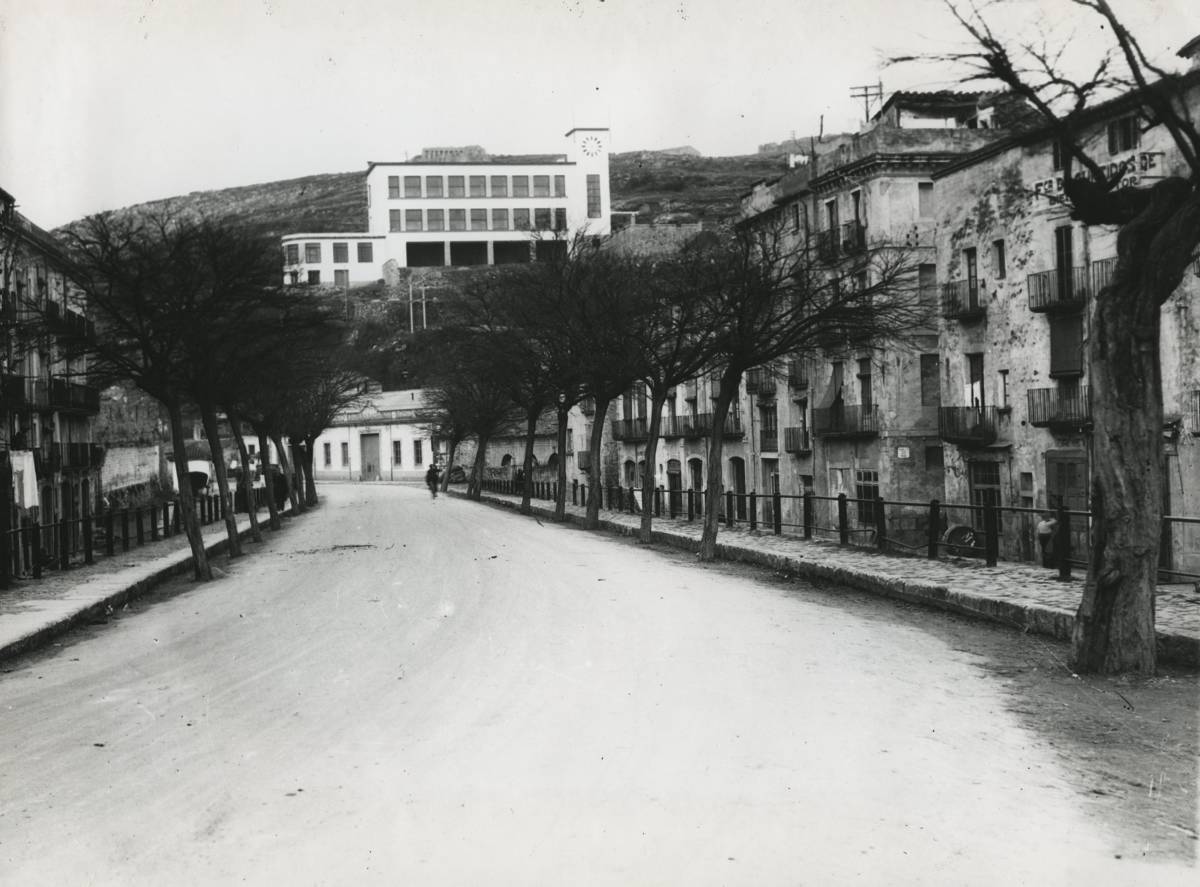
(659, 186)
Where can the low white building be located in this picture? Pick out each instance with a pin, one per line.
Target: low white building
(384, 438)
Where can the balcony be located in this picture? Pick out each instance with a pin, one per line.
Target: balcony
(583, 460)
(760, 381)
(968, 426)
(587, 406)
(828, 245)
(72, 397)
(631, 429)
(1060, 409)
(846, 421)
(74, 456)
(23, 393)
(1192, 415)
(701, 425)
(671, 426)
(964, 300)
(854, 238)
(797, 440)
(768, 440)
(1058, 290)
(797, 375)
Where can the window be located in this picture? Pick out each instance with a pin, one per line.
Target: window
(541, 219)
(479, 219)
(458, 220)
(499, 220)
(341, 253)
(433, 186)
(521, 219)
(478, 186)
(976, 395)
(560, 186)
(293, 277)
(984, 482)
(314, 278)
(999, 261)
(931, 387)
(560, 220)
(418, 452)
(292, 253)
(499, 186)
(312, 253)
(366, 252)
(935, 458)
(1123, 134)
(593, 196)
(395, 220)
(1004, 389)
(328, 455)
(1056, 157)
(831, 215)
(341, 277)
(397, 451)
(394, 187)
(864, 382)
(1066, 345)
(437, 220)
(794, 212)
(541, 186)
(866, 490)
(345, 454)
(520, 186)
(413, 220)
(457, 186)
(412, 186)
(925, 200)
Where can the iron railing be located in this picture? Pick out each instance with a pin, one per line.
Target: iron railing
(846, 421)
(1059, 409)
(968, 426)
(797, 440)
(964, 299)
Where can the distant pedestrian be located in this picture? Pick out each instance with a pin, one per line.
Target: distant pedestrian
(431, 480)
(1046, 529)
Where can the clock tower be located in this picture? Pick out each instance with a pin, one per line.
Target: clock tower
(589, 198)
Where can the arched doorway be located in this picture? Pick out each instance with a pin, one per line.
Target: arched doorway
(675, 486)
(737, 477)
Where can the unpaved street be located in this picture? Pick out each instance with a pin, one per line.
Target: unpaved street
(399, 691)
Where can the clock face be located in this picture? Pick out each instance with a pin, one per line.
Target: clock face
(591, 146)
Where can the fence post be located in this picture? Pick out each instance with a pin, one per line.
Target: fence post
(574, 490)
(658, 501)
(89, 556)
(125, 530)
(64, 542)
(175, 518)
(808, 514)
(880, 525)
(777, 509)
(1062, 543)
(729, 508)
(691, 505)
(935, 527)
(843, 521)
(109, 532)
(991, 534)
(37, 550)
(153, 524)
(753, 510)
(140, 523)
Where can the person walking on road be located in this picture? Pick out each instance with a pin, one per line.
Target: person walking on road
(431, 480)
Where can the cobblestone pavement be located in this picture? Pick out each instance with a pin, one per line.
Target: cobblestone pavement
(1026, 596)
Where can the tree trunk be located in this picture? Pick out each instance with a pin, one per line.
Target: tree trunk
(658, 398)
(475, 489)
(201, 569)
(264, 447)
(310, 481)
(560, 502)
(288, 473)
(591, 519)
(451, 451)
(730, 379)
(213, 433)
(531, 419)
(247, 481)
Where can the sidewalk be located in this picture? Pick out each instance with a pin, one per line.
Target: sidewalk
(35, 611)
(1022, 596)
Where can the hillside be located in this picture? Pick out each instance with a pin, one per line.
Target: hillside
(660, 186)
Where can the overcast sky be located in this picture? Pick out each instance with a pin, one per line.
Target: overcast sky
(105, 103)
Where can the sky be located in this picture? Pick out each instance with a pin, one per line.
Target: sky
(107, 103)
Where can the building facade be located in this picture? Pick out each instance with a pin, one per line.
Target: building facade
(383, 438)
(459, 207)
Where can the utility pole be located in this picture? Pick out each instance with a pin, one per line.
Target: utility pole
(867, 94)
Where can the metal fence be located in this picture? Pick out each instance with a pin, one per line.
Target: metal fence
(925, 529)
(35, 547)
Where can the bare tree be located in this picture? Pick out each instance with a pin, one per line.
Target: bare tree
(1158, 235)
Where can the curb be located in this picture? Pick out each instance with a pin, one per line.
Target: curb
(179, 563)
(1053, 622)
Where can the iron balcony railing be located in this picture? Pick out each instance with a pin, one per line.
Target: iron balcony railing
(854, 238)
(671, 426)
(631, 429)
(846, 421)
(1059, 409)
(583, 459)
(797, 440)
(768, 440)
(73, 397)
(964, 299)
(760, 380)
(968, 426)
(23, 392)
(1193, 411)
(1059, 289)
(587, 406)
(701, 425)
(798, 374)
